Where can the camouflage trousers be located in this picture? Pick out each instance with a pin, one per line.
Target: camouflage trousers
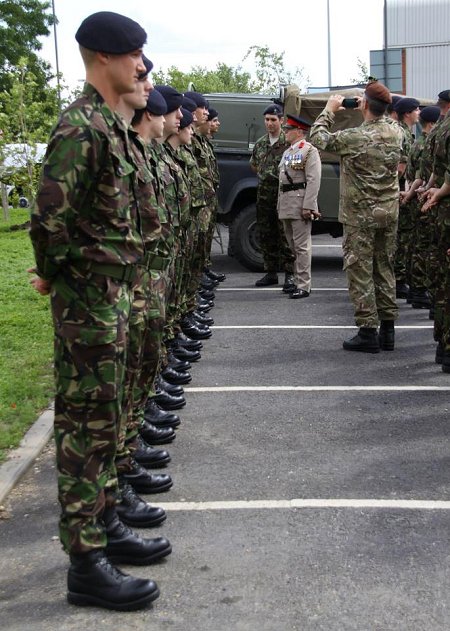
(405, 233)
(210, 233)
(272, 241)
(368, 263)
(420, 247)
(90, 316)
(142, 353)
(432, 263)
(442, 297)
(197, 266)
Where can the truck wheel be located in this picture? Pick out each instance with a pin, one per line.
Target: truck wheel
(245, 240)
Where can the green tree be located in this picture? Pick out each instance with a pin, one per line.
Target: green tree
(363, 72)
(27, 111)
(271, 72)
(27, 114)
(223, 79)
(22, 22)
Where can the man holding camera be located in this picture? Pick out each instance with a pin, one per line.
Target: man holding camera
(368, 210)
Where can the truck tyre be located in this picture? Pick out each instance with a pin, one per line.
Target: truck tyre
(245, 239)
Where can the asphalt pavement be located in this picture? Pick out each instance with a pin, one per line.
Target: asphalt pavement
(311, 485)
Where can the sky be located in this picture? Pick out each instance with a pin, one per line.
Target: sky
(185, 34)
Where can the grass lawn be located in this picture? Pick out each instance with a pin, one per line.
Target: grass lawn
(26, 377)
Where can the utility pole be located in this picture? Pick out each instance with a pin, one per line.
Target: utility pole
(329, 44)
(56, 55)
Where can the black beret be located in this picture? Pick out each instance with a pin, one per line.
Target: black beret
(173, 99)
(189, 104)
(405, 105)
(148, 67)
(430, 114)
(156, 103)
(198, 98)
(112, 33)
(187, 118)
(273, 109)
(297, 122)
(444, 96)
(212, 113)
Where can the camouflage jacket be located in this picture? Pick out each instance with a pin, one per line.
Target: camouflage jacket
(182, 187)
(266, 159)
(146, 193)
(426, 158)
(196, 189)
(413, 164)
(441, 156)
(201, 154)
(177, 196)
(86, 208)
(162, 181)
(213, 161)
(408, 142)
(369, 189)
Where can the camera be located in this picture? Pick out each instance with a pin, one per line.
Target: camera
(350, 104)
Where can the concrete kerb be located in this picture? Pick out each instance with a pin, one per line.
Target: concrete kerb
(21, 459)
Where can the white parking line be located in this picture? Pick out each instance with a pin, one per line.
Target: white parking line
(309, 503)
(276, 288)
(311, 326)
(405, 388)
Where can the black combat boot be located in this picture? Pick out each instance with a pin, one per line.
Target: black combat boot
(159, 418)
(144, 482)
(92, 580)
(401, 289)
(289, 284)
(168, 401)
(220, 276)
(446, 361)
(133, 511)
(365, 341)
(183, 340)
(148, 456)
(439, 353)
(387, 335)
(175, 376)
(271, 278)
(125, 546)
(421, 299)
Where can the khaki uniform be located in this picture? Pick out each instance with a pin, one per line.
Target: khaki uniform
(299, 182)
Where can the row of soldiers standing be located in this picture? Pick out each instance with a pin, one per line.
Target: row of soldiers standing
(422, 262)
(122, 231)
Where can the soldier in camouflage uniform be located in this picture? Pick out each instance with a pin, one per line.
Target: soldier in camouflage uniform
(439, 197)
(265, 160)
(368, 210)
(407, 110)
(426, 173)
(86, 236)
(421, 241)
(134, 455)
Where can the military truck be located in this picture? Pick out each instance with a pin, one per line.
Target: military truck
(242, 123)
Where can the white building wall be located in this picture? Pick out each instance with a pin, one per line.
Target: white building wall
(427, 70)
(417, 22)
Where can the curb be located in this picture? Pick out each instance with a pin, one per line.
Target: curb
(21, 459)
